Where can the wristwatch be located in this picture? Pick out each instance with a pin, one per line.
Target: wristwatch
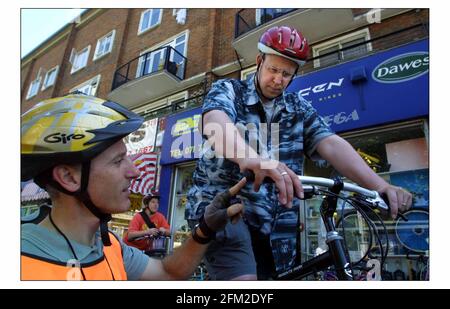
(200, 240)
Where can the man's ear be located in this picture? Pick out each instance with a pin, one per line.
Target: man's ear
(259, 59)
(68, 176)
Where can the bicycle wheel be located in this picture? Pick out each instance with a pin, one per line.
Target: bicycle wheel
(414, 234)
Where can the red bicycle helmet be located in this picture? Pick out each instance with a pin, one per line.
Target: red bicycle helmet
(285, 42)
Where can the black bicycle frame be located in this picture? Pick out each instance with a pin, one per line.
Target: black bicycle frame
(335, 256)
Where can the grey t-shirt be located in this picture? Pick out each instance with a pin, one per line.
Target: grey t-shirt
(38, 240)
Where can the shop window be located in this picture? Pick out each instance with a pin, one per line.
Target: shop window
(183, 182)
(386, 150)
(399, 154)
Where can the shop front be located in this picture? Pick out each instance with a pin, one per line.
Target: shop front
(180, 149)
(380, 105)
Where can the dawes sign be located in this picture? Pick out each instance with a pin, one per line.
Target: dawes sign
(402, 68)
(384, 87)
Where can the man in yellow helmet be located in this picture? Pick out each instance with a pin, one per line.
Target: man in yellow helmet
(72, 146)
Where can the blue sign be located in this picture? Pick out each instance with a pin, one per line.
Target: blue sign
(182, 140)
(385, 87)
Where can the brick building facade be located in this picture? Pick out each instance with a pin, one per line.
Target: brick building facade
(209, 35)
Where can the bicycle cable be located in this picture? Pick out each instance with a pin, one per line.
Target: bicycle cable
(371, 226)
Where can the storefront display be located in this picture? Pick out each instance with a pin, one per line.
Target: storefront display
(183, 182)
(180, 149)
(401, 153)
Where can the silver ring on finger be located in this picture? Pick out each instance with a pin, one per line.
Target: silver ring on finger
(284, 173)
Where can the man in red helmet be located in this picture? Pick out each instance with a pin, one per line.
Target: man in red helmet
(255, 125)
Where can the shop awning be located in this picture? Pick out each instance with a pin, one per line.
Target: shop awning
(32, 192)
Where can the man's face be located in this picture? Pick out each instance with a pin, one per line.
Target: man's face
(110, 177)
(275, 74)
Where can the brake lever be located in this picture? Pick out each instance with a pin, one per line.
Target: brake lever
(382, 202)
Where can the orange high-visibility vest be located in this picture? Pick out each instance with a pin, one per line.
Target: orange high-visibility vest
(109, 267)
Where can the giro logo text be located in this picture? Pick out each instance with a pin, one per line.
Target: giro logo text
(62, 138)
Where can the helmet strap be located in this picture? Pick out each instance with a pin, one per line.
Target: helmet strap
(292, 78)
(82, 195)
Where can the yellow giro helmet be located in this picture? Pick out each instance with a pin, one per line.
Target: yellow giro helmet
(71, 129)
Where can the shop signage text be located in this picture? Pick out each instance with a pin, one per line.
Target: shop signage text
(402, 68)
(392, 86)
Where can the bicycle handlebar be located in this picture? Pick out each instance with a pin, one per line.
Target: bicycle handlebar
(373, 197)
(150, 237)
(309, 182)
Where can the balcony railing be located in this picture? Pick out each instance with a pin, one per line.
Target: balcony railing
(175, 107)
(164, 58)
(358, 50)
(248, 19)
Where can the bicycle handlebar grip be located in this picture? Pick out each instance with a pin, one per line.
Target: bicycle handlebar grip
(386, 200)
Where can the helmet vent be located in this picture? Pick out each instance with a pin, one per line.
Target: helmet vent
(99, 113)
(292, 40)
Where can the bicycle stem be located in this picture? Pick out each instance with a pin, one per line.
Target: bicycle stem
(334, 241)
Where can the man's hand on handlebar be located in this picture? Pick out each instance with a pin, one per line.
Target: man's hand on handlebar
(399, 198)
(285, 179)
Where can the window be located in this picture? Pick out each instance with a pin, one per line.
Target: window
(154, 61)
(165, 106)
(79, 60)
(160, 104)
(248, 73)
(264, 15)
(50, 78)
(333, 46)
(104, 45)
(34, 87)
(149, 19)
(179, 98)
(89, 87)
